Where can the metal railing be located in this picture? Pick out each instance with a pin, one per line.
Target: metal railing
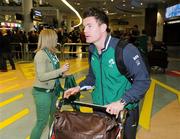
(25, 51)
(66, 50)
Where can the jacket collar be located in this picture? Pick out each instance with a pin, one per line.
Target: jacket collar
(106, 44)
(107, 41)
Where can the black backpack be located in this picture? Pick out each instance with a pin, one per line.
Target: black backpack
(120, 62)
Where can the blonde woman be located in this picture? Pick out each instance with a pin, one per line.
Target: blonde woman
(47, 85)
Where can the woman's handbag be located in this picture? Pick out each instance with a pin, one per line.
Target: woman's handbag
(77, 125)
(69, 83)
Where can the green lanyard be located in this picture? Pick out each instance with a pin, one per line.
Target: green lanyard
(55, 61)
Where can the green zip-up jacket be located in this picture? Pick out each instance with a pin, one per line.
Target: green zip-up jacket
(110, 84)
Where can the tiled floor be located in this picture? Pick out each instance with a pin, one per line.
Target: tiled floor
(158, 121)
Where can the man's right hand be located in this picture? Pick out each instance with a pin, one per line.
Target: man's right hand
(71, 91)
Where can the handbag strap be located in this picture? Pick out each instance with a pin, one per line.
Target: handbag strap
(55, 63)
(121, 121)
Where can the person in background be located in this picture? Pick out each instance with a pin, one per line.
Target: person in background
(32, 39)
(142, 42)
(0, 50)
(74, 36)
(135, 30)
(111, 88)
(83, 40)
(134, 35)
(6, 51)
(47, 85)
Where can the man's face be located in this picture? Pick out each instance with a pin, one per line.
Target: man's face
(92, 29)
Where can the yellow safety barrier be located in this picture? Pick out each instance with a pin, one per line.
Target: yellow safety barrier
(145, 115)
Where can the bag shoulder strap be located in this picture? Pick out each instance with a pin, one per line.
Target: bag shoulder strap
(120, 61)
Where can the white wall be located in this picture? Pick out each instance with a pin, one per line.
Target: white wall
(159, 26)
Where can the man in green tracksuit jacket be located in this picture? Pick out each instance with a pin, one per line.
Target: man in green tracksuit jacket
(111, 88)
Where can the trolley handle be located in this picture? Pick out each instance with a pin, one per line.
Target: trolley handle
(65, 101)
(90, 105)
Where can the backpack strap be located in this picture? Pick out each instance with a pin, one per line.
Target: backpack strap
(120, 61)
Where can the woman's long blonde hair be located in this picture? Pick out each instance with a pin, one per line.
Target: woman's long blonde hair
(47, 39)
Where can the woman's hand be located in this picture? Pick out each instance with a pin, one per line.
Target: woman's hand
(64, 68)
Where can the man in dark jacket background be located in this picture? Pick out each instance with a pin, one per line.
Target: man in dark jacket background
(6, 52)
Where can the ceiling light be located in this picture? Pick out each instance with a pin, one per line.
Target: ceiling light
(74, 10)
(111, 13)
(7, 1)
(173, 22)
(106, 11)
(141, 3)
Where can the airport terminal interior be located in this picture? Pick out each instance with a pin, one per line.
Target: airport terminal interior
(23, 20)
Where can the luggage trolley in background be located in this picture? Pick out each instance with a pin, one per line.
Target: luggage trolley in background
(158, 57)
(78, 125)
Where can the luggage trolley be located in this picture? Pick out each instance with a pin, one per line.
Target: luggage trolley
(158, 57)
(59, 103)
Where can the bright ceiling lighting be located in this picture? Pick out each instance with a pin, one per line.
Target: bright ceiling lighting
(78, 3)
(74, 10)
(173, 22)
(111, 13)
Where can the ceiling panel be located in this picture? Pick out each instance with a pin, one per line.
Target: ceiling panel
(120, 7)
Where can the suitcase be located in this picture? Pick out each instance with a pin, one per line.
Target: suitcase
(158, 58)
(78, 125)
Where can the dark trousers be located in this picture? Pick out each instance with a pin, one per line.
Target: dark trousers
(131, 124)
(0, 61)
(7, 56)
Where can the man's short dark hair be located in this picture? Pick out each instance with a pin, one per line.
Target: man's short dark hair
(100, 15)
